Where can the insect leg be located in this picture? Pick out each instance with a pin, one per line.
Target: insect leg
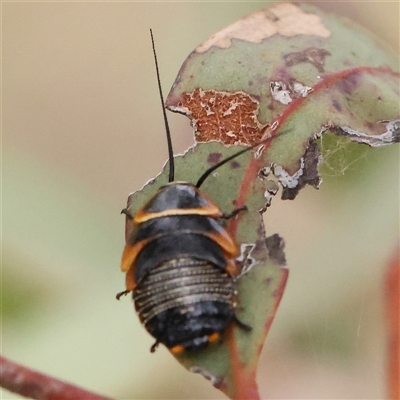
(124, 293)
(155, 345)
(241, 324)
(127, 213)
(234, 212)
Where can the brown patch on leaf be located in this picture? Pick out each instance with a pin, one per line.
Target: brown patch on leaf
(309, 176)
(235, 165)
(391, 135)
(216, 381)
(285, 19)
(230, 118)
(276, 246)
(214, 158)
(336, 105)
(311, 55)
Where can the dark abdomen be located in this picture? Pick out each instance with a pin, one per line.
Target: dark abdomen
(185, 300)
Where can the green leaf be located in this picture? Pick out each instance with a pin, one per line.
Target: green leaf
(289, 73)
(231, 365)
(289, 67)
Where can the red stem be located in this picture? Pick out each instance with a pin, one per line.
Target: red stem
(392, 309)
(243, 380)
(34, 385)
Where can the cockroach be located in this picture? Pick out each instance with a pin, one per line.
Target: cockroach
(180, 263)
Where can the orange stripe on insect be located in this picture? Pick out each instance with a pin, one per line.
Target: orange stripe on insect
(214, 337)
(211, 211)
(177, 349)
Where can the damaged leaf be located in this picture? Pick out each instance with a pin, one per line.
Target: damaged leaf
(280, 77)
(231, 364)
(282, 65)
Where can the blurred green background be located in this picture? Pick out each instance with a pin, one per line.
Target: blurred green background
(82, 127)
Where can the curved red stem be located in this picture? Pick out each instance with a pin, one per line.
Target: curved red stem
(35, 385)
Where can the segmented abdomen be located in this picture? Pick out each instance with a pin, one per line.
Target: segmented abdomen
(185, 300)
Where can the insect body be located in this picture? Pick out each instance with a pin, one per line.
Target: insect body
(180, 262)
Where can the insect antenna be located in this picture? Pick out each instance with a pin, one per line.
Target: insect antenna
(167, 131)
(225, 160)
